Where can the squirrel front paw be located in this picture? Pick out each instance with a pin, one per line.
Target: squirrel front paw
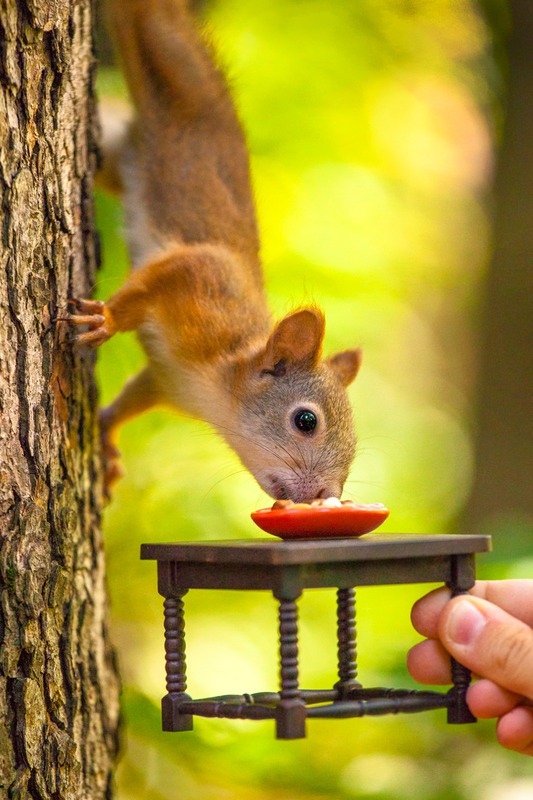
(98, 318)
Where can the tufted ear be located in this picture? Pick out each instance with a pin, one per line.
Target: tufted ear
(297, 339)
(346, 365)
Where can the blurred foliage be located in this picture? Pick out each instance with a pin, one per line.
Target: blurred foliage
(371, 127)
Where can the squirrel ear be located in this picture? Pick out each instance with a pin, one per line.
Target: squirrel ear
(296, 339)
(346, 365)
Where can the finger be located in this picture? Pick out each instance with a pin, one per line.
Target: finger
(489, 642)
(487, 700)
(426, 612)
(428, 662)
(515, 730)
(514, 596)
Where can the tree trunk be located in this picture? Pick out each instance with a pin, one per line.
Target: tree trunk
(58, 679)
(502, 498)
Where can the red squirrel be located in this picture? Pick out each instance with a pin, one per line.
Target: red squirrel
(195, 294)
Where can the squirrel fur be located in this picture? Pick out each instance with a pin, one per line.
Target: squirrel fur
(195, 294)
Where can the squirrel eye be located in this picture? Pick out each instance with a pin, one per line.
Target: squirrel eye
(305, 420)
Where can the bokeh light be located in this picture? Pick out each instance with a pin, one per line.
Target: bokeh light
(371, 128)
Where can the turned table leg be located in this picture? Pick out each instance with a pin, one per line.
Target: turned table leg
(346, 644)
(175, 666)
(291, 712)
(463, 578)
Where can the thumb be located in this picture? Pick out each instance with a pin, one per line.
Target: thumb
(490, 642)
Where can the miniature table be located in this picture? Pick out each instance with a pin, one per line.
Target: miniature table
(286, 568)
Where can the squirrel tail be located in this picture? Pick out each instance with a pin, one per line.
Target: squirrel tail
(166, 62)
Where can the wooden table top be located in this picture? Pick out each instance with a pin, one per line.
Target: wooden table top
(371, 547)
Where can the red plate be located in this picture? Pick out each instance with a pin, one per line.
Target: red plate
(320, 522)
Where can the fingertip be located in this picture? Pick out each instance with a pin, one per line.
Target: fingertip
(428, 663)
(515, 730)
(461, 623)
(426, 612)
(487, 700)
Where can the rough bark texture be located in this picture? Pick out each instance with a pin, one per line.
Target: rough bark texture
(504, 451)
(58, 681)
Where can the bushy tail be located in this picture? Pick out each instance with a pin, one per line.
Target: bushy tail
(164, 57)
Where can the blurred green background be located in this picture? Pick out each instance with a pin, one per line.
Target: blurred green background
(373, 127)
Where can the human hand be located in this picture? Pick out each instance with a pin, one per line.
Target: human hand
(490, 632)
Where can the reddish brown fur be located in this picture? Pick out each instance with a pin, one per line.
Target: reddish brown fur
(188, 292)
(186, 109)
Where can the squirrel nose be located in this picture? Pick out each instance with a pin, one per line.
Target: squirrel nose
(325, 493)
(303, 492)
(305, 495)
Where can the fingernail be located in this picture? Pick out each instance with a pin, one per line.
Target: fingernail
(465, 622)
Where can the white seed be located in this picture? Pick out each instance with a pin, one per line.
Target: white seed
(332, 502)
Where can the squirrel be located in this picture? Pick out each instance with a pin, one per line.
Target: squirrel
(195, 294)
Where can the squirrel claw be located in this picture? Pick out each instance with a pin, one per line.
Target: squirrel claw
(96, 316)
(87, 306)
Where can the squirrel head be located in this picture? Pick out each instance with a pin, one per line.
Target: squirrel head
(294, 419)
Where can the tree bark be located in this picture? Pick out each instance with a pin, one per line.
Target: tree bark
(501, 502)
(58, 678)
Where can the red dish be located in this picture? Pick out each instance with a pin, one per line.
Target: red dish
(319, 522)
